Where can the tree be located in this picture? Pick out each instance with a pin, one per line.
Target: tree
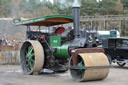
(107, 7)
(63, 7)
(5, 8)
(125, 4)
(89, 7)
(119, 6)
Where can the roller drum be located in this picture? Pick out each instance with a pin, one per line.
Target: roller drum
(96, 67)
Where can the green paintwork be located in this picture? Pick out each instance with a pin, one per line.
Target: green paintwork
(113, 33)
(105, 36)
(30, 54)
(55, 41)
(47, 21)
(62, 51)
(81, 64)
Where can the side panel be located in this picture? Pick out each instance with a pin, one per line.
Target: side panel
(55, 41)
(61, 49)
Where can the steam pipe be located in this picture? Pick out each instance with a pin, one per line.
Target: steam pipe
(76, 19)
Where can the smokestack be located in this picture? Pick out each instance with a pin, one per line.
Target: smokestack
(76, 14)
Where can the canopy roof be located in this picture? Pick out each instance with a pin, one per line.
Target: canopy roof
(47, 21)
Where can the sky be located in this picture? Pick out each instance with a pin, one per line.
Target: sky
(48, 0)
(99, 0)
(51, 1)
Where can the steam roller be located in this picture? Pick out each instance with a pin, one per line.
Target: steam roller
(53, 49)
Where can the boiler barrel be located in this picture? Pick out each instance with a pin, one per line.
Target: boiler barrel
(62, 51)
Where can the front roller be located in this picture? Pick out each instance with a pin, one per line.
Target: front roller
(90, 65)
(31, 57)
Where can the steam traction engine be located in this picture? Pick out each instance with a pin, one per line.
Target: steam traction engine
(52, 50)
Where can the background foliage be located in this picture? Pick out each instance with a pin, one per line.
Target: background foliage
(35, 8)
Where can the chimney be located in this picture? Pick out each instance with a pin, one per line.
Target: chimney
(76, 14)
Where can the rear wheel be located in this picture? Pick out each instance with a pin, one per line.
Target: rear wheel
(31, 57)
(121, 64)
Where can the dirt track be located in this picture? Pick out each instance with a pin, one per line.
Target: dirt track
(12, 75)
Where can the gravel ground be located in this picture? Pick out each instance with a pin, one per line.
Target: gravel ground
(12, 75)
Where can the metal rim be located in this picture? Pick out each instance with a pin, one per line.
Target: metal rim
(31, 57)
(77, 75)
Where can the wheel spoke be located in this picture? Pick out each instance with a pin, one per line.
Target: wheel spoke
(27, 64)
(30, 57)
(30, 52)
(29, 48)
(81, 64)
(32, 60)
(30, 64)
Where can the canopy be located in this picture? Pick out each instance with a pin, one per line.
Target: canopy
(47, 21)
